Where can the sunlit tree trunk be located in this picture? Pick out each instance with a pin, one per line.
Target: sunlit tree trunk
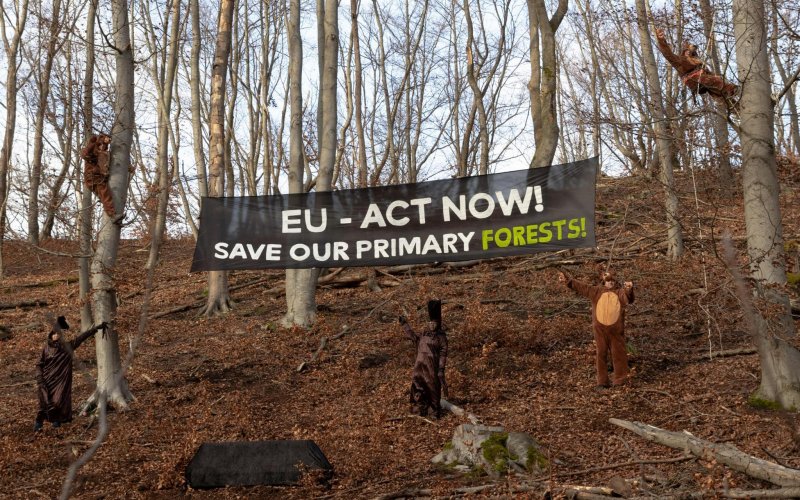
(219, 301)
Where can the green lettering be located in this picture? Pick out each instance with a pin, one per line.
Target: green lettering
(546, 232)
(519, 236)
(559, 224)
(502, 237)
(574, 228)
(486, 237)
(531, 234)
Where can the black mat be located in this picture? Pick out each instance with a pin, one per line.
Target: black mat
(253, 463)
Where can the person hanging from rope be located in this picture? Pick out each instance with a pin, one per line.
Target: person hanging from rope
(428, 384)
(608, 321)
(695, 74)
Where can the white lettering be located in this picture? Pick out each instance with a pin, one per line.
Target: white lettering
(288, 220)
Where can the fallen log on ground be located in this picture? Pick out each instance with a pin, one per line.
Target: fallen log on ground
(725, 454)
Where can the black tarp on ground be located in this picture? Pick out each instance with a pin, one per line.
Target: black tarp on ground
(253, 463)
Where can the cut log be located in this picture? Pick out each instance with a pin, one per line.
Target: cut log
(725, 454)
(24, 304)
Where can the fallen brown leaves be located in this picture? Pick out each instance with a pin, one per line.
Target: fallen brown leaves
(521, 355)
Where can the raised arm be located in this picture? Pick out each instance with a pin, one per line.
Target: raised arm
(74, 344)
(666, 50)
(410, 333)
(627, 292)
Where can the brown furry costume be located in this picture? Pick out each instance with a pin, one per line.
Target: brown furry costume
(96, 170)
(427, 379)
(694, 73)
(608, 322)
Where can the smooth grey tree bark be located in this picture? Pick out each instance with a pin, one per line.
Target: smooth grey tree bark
(11, 48)
(301, 308)
(163, 75)
(720, 117)
(780, 361)
(110, 381)
(53, 45)
(85, 199)
(663, 139)
(194, 86)
(544, 74)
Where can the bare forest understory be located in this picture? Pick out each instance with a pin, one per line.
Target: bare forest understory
(521, 356)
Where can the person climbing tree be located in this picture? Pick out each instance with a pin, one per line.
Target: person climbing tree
(695, 74)
(608, 322)
(96, 171)
(54, 374)
(428, 383)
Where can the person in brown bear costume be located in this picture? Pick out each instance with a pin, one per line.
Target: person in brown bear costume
(608, 321)
(428, 383)
(54, 374)
(694, 73)
(96, 171)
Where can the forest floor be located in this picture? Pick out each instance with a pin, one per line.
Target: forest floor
(521, 356)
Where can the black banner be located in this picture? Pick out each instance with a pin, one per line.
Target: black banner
(511, 213)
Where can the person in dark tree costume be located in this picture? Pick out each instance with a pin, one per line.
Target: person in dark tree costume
(608, 321)
(54, 374)
(428, 383)
(96, 171)
(695, 74)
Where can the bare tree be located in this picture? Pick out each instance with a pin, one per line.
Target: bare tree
(663, 139)
(163, 69)
(544, 74)
(720, 117)
(11, 47)
(219, 301)
(104, 262)
(52, 45)
(780, 361)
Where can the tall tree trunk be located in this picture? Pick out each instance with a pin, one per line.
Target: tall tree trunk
(85, 211)
(300, 283)
(194, 85)
(358, 91)
(164, 87)
(794, 123)
(719, 119)
(110, 381)
(38, 131)
(663, 139)
(780, 362)
(483, 132)
(543, 82)
(12, 50)
(219, 301)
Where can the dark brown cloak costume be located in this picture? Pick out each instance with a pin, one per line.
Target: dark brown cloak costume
(608, 322)
(54, 378)
(427, 378)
